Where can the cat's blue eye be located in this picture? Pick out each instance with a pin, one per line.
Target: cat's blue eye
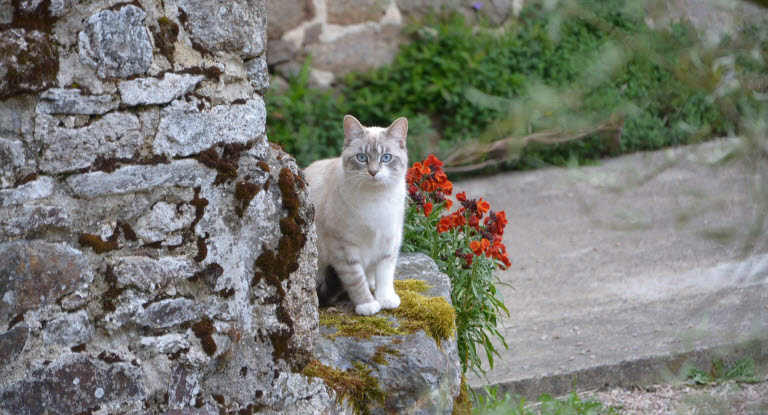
(386, 158)
(362, 158)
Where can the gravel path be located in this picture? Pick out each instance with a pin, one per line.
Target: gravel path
(725, 398)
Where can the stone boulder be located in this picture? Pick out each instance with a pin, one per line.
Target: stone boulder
(403, 367)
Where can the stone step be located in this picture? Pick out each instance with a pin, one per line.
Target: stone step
(625, 270)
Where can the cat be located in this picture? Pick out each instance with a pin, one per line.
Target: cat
(359, 203)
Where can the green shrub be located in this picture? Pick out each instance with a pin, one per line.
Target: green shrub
(429, 80)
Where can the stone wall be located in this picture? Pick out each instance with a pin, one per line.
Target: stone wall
(345, 35)
(157, 254)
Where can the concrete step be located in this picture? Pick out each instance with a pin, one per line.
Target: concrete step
(624, 270)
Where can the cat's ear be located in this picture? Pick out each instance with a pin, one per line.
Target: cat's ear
(398, 131)
(352, 129)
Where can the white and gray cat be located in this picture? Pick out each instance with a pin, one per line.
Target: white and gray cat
(359, 203)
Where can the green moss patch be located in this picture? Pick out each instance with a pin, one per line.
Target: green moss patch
(380, 357)
(356, 384)
(417, 286)
(434, 315)
(361, 327)
(462, 405)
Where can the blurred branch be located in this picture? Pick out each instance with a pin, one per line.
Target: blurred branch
(479, 156)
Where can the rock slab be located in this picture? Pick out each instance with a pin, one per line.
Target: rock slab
(416, 375)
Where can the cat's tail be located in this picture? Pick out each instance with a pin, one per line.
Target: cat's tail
(330, 288)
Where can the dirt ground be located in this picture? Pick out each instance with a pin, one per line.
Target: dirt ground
(726, 398)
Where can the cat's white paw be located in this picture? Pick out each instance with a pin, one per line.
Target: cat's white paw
(368, 309)
(389, 300)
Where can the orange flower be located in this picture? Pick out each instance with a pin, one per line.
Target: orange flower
(478, 247)
(444, 225)
(505, 259)
(474, 221)
(427, 208)
(447, 187)
(428, 186)
(483, 206)
(458, 219)
(461, 197)
(433, 161)
(448, 204)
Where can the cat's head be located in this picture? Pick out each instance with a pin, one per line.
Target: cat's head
(374, 156)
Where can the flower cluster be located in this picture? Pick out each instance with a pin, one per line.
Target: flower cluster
(466, 244)
(480, 227)
(428, 177)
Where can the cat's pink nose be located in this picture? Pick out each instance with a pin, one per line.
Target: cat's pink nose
(373, 172)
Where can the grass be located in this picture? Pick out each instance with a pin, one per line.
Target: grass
(572, 404)
(742, 371)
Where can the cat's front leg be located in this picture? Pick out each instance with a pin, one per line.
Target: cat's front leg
(352, 276)
(385, 283)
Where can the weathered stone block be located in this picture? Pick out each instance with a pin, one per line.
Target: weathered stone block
(12, 343)
(72, 384)
(130, 179)
(162, 221)
(17, 117)
(114, 135)
(150, 274)
(72, 101)
(167, 313)
(34, 274)
(256, 69)
(186, 129)
(226, 26)
(285, 15)
(116, 43)
(12, 158)
(26, 219)
(167, 343)
(28, 62)
(366, 49)
(36, 189)
(346, 12)
(151, 91)
(69, 330)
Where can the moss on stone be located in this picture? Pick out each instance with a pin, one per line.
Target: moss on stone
(98, 245)
(165, 36)
(245, 191)
(417, 286)
(380, 356)
(202, 248)
(434, 315)
(461, 404)
(361, 327)
(204, 330)
(226, 165)
(355, 384)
